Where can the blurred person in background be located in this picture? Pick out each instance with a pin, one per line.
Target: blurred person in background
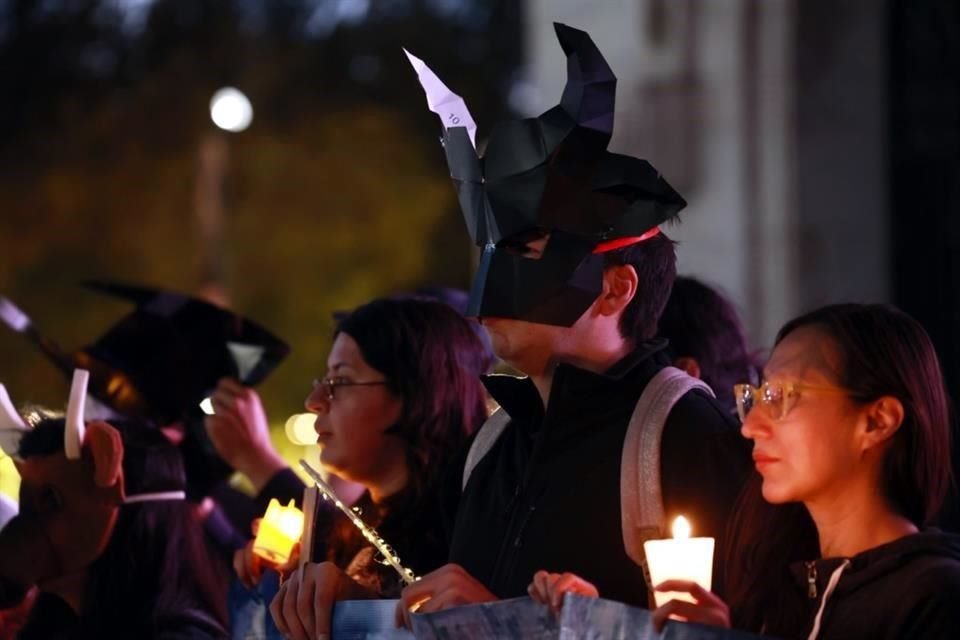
(156, 365)
(706, 338)
(108, 539)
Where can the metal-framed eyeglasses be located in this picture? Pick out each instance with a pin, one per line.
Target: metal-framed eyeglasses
(777, 398)
(329, 385)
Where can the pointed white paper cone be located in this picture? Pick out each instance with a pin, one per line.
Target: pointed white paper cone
(441, 100)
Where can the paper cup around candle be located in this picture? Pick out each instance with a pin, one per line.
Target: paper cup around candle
(680, 558)
(279, 530)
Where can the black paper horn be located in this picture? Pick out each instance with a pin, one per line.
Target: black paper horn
(589, 96)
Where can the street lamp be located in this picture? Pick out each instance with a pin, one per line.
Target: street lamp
(231, 110)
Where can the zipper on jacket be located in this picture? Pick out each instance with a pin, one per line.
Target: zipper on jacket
(518, 517)
(811, 580)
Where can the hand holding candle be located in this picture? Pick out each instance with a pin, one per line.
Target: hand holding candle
(279, 530)
(682, 558)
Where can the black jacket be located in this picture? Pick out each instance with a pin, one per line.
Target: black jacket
(908, 588)
(412, 526)
(547, 495)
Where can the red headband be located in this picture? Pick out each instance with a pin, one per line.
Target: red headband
(619, 243)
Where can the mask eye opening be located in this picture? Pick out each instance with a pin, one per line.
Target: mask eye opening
(528, 244)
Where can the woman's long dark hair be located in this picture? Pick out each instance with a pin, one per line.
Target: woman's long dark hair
(429, 356)
(883, 352)
(155, 571)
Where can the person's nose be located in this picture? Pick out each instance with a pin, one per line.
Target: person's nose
(755, 426)
(318, 401)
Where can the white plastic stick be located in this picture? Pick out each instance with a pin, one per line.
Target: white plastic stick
(12, 316)
(75, 427)
(12, 425)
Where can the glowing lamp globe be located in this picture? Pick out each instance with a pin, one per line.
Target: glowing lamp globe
(231, 110)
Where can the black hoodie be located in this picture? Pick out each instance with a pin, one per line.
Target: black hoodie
(908, 588)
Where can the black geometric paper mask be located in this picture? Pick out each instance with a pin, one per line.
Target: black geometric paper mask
(160, 361)
(172, 350)
(551, 173)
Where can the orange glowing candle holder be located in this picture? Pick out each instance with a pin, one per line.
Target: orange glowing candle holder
(680, 558)
(279, 530)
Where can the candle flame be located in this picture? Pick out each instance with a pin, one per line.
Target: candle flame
(681, 528)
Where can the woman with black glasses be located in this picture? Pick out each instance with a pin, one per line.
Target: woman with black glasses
(851, 443)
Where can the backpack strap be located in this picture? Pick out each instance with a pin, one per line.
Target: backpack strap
(486, 437)
(641, 494)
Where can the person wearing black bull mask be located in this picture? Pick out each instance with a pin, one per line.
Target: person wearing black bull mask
(156, 365)
(603, 442)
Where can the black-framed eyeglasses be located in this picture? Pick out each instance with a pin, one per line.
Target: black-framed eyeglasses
(329, 385)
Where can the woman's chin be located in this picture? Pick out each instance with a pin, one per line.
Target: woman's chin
(775, 494)
(330, 460)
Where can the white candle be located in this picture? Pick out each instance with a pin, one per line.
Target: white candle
(682, 558)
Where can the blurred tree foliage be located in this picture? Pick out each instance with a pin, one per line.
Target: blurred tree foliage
(336, 194)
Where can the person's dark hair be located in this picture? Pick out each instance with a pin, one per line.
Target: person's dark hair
(655, 261)
(701, 323)
(457, 299)
(155, 572)
(428, 355)
(882, 352)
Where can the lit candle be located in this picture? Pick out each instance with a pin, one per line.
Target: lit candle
(279, 530)
(682, 558)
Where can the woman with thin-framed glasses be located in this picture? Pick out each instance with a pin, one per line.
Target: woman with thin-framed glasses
(851, 443)
(399, 398)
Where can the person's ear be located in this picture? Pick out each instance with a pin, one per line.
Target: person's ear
(884, 417)
(106, 448)
(688, 365)
(620, 284)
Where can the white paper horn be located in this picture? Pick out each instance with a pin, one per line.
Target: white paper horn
(442, 101)
(75, 427)
(12, 425)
